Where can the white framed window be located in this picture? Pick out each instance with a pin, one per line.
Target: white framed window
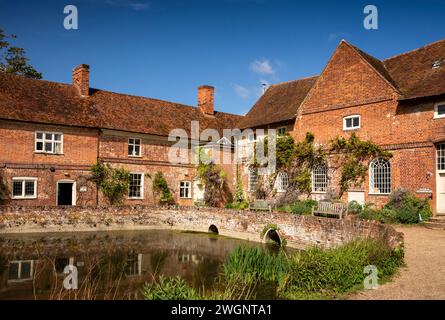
(379, 176)
(281, 131)
(24, 188)
(439, 110)
(134, 147)
(440, 157)
(251, 137)
(185, 190)
(282, 182)
(48, 142)
(351, 122)
(252, 180)
(136, 187)
(21, 270)
(320, 178)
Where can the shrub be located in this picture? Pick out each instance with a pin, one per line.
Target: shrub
(369, 212)
(237, 205)
(426, 212)
(407, 207)
(354, 207)
(300, 207)
(169, 289)
(388, 215)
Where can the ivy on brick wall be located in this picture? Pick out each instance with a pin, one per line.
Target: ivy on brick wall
(353, 155)
(4, 190)
(161, 189)
(297, 159)
(214, 179)
(112, 182)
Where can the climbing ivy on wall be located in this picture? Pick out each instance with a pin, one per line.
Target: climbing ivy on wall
(354, 154)
(4, 190)
(112, 182)
(216, 191)
(297, 159)
(161, 189)
(351, 155)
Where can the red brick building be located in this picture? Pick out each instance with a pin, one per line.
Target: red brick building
(397, 103)
(51, 134)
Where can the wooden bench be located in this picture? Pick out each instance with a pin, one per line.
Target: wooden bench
(261, 205)
(330, 209)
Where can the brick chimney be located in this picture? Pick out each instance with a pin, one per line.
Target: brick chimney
(81, 79)
(206, 99)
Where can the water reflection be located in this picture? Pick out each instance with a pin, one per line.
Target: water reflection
(110, 265)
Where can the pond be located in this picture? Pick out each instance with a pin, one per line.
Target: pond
(110, 265)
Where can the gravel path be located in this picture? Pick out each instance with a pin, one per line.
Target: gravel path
(424, 276)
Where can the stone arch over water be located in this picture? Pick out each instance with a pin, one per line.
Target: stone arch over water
(272, 235)
(213, 229)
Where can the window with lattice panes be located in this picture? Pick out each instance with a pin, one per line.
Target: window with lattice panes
(282, 182)
(320, 178)
(136, 187)
(380, 176)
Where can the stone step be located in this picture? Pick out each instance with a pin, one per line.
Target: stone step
(440, 219)
(434, 225)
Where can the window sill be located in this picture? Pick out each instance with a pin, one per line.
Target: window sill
(185, 198)
(378, 194)
(318, 192)
(135, 198)
(439, 117)
(24, 198)
(351, 129)
(134, 156)
(49, 153)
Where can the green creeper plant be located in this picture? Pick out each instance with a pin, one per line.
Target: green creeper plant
(112, 182)
(160, 188)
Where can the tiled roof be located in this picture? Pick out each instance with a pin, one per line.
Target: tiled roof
(279, 103)
(413, 72)
(410, 74)
(40, 101)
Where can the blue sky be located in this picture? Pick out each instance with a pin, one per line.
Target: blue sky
(166, 49)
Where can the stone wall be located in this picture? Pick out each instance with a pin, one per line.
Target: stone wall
(299, 231)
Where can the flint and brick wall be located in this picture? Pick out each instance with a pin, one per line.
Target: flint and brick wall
(299, 231)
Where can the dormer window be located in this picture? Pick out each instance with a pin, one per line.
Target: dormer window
(351, 122)
(439, 110)
(437, 64)
(281, 131)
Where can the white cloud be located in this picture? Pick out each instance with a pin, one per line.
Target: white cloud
(241, 91)
(262, 66)
(135, 5)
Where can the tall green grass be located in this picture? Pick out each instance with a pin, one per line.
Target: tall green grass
(311, 274)
(252, 264)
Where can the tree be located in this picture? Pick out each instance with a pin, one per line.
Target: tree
(13, 59)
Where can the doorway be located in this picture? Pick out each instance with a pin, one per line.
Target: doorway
(66, 193)
(441, 193)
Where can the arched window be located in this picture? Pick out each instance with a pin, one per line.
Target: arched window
(282, 182)
(380, 176)
(253, 180)
(320, 178)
